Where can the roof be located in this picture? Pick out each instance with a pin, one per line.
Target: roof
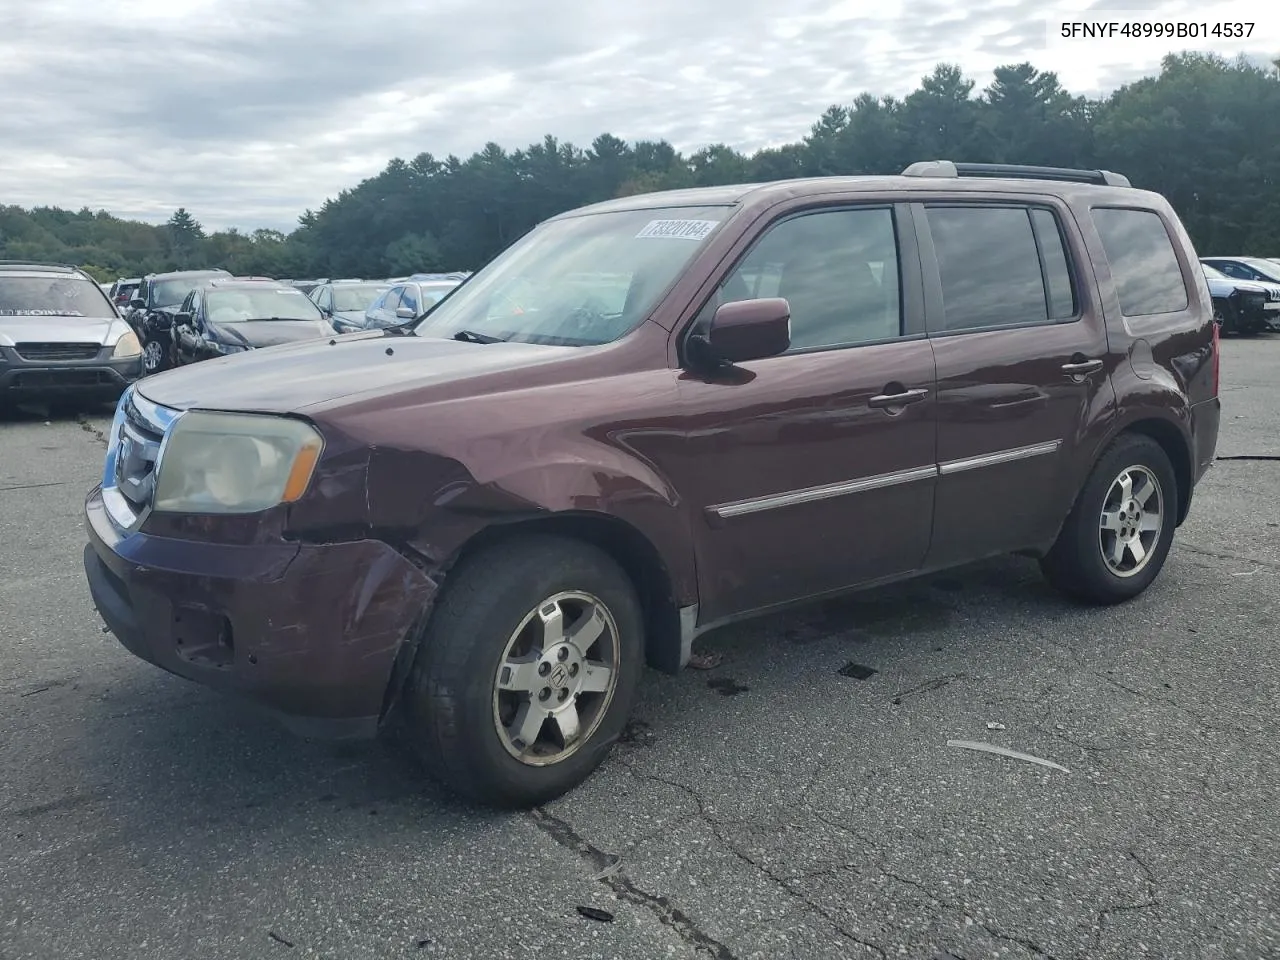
(36, 266)
(181, 274)
(250, 283)
(927, 176)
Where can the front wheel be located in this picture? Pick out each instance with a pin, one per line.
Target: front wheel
(153, 356)
(526, 671)
(1118, 535)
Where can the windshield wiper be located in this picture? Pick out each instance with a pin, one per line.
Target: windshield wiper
(470, 336)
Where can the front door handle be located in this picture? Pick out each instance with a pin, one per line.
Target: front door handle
(898, 399)
(1081, 368)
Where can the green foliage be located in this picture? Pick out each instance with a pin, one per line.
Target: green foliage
(1205, 132)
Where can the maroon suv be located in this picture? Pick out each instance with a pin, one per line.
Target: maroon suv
(650, 417)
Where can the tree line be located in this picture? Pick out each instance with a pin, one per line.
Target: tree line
(1205, 132)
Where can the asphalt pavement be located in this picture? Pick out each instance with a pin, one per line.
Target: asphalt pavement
(798, 800)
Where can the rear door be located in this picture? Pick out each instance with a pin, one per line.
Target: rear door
(1023, 369)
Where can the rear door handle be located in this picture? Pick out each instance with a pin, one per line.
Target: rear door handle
(898, 399)
(1081, 368)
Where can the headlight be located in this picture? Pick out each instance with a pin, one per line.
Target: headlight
(235, 463)
(127, 346)
(228, 347)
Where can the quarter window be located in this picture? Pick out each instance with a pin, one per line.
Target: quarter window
(991, 271)
(838, 269)
(1144, 266)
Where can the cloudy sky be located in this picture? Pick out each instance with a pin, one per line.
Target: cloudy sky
(249, 111)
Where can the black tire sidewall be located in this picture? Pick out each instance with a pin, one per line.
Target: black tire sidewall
(451, 691)
(1088, 571)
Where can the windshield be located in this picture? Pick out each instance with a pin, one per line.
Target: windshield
(1213, 273)
(53, 297)
(1268, 269)
(580, 281)
(238, 306)
(357, 296)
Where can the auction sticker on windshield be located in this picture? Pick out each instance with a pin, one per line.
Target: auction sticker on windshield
(678, 229)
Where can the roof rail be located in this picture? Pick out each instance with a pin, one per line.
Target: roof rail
(1014, 171)
(37, 265)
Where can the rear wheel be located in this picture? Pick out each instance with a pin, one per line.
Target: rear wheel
(526, 671)
(1118, 535)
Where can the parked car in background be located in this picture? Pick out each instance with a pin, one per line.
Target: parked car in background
(122, 291)
(345, 302)
(406, 302)
(225, 317)
(477, 528)
(1258, 269)
(152, 308)
(61, 336)
(306, 286)
(1242, 306)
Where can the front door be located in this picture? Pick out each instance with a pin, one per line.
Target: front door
(814, 470)
(1023, 369)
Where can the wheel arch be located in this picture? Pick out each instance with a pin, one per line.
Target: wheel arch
(1173, 440)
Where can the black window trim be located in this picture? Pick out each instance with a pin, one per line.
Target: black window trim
(1173, 245)
(934, 306)
(910, 294)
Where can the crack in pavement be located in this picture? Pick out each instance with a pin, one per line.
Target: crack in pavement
(91, 429)
(668, 914)
(1217, 555)
(34, 486)
(1021, 941)
(1152, 900)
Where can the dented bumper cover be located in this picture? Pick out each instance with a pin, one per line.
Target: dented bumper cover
(311, 631)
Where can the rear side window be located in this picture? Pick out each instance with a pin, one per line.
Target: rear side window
(989, 264)
(1143, 264)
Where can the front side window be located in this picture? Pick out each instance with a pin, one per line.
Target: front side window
(53, 297)
(990, 269)
(837, 269)
(585, 280)
(1144, 266)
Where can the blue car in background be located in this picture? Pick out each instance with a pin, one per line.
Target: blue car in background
(1242, 306)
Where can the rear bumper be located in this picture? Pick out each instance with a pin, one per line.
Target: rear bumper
(102, 375)
(310, 631)
(1206, 418)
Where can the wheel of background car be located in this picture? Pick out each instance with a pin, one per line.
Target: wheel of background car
(1118, 535)
(154, 358)
(526, 671)
(1222, 316)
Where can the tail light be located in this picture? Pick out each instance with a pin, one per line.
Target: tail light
(1215, 358)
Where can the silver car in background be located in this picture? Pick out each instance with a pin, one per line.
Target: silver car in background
(61, 337)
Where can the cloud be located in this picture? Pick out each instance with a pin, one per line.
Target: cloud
(246, 112)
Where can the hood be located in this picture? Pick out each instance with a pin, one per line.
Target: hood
(268, 333)
(1225, 287)
(45, 329)
(293, 377)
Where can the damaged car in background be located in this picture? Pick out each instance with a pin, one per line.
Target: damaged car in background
(61, 337)
(223, 317)
(478, 527)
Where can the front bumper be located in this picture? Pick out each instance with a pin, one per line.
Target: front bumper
(310, 631)
(103, 375)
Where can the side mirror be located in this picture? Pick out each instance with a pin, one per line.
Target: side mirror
(747, 330)
(137, 303)
(405, 313)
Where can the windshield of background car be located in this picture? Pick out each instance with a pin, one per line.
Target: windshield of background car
(1214, 274)
(53, 297)
(584, 280)
(1268, 269)
(357, 297)
(239, 306)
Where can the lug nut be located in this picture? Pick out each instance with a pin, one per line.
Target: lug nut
(544, 669)
(544, 693)
(573, 669)
(562, 654)
(563, 695)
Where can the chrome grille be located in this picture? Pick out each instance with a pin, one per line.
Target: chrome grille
(57, 351)
(129, 478)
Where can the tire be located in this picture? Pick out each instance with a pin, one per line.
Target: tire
(154, 356)
(1076, 564)
(457, 720)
